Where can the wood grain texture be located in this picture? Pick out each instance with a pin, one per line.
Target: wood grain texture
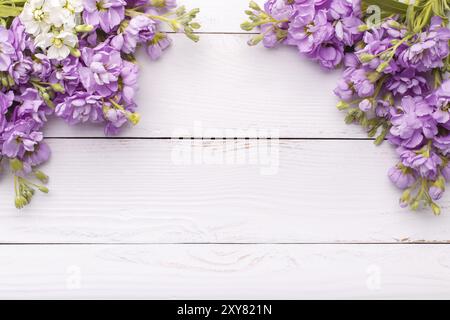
(141, 218)
(170, 191)
(227, 88)
(225, 271)
(219, 16)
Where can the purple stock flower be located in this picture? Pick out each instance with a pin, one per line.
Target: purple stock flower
(102, 71)
(6, 100)
(440, 98)
(156, 46)
(401, 177)
(328, 55)
(425, 163)
(384, 108)
(20, 40)
(115, 120)
(106, 13)
(443, 144)
(81, 107)
(32, 106)
(413, 124)
(42, 67)
(436, 193)
(407, 83)
(38, 156)
(129, 76)
(346, 30)
(21, 69)
(429, 49)
(161, 6)
(281, 9)
(307, 33)
(365, 105)
(7, 50)
(66, 72)
(445, 171)
(363, 86)
(141, 29)
(20, 137)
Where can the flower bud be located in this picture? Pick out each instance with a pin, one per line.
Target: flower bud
(437, 188)
(194, 12)
(43, 189)
(16, 164)
(365, 105)
(84, 28)
(394, 24)
(57, 87)
(342, 105)
(406, 196)
(158, 3)
(255, 40)
(180, 11)
(247, 26)
(5, 81)
(192, 36)
(134, 118)
(373, 76)
(389, 98)
(175, 25)
(366, 57)
(21, 202)
(436, 209)
(363, 27)
(75, 52)
(28, 193)
(50, 103)
(383, 66)
(44, 94)
(41, 176)
(253, 5)
(415, 205)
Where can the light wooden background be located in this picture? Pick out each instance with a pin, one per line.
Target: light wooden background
(127, 218)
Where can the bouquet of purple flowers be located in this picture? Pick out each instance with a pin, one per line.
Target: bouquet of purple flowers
(74, 59)
(395, 82)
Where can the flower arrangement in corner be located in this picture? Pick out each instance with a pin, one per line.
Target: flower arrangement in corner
(395, 82)
(74, 59)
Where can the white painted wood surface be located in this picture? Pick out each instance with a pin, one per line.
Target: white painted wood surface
(311, 217)
(221, 84)
(225, 271)
(168, 191)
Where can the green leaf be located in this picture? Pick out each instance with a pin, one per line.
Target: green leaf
(8, 11)
(387, 6)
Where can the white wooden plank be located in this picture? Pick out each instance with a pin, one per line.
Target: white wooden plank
(164, 191)
(225, 271)
(219, 16)
(221, 87)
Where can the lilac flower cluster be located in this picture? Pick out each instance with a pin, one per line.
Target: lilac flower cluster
(320, 29)
(395, 80)
(92, 79)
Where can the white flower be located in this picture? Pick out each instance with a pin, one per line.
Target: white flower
(58, 44)
(35, 17)
(61, 17)
(75, 6)
(52, 23)
(64, 12)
